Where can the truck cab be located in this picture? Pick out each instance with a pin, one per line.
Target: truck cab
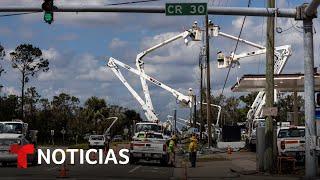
(14, 127)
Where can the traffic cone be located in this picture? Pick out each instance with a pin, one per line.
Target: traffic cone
(229, 150)
(93, 156)
(63, 171)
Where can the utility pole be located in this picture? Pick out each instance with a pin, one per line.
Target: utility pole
(195, 111)
(175, 121)
(311, 132)
(201, 95)
(269, 157)
(208, 84)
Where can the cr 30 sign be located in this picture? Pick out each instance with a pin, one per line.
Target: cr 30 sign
(178, 9)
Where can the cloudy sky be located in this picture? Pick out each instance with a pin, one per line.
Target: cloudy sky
(78, 44)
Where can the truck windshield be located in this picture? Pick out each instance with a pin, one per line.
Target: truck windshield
(97, 138)
(8, 142)
(286, 133)
(148, 127)
(13, 128)
(150, 135)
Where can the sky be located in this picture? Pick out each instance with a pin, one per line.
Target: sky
(78, 45)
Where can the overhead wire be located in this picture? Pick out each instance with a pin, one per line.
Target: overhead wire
(235, 49)
(131, 2)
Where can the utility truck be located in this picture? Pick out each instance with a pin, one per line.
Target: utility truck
(291, 142)
(15, 132)
(149, 146)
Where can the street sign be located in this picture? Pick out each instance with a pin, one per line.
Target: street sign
(181, 9)
(269, 111)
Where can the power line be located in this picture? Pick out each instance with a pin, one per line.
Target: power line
(131, 2)
(235, 49)
(17, 14)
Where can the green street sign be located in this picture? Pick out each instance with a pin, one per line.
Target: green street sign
(181, 9)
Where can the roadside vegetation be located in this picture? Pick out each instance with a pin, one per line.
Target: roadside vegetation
(63, 111)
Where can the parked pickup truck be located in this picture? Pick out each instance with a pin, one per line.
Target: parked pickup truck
(148, 146)
(291, 142)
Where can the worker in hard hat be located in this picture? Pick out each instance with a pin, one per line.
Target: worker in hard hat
(172, 150)
(193, 150)
(220, 56)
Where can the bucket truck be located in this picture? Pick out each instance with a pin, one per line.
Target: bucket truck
(195, 34)
(152, 125)
(282, 53)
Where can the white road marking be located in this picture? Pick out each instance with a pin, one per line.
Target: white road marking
(134, 169)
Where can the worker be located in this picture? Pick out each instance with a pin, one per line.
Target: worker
(193, 150)
(172, 147)
(220, 56)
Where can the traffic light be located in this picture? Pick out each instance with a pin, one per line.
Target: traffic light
(47, 7)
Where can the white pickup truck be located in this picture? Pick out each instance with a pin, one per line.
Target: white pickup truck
(291, 142)
(148, 146)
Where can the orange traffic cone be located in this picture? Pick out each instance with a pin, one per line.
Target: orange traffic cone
(229, 150)
(63, 171)
(93, 156)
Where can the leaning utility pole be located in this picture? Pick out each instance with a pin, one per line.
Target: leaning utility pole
(208, 84)
(269, 157)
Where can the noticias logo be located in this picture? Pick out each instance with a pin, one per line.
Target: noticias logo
(59, 156)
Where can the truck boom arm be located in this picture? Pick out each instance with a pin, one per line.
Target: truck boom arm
(186, 100)
(140, 63)
(150, 115)
(282, 53)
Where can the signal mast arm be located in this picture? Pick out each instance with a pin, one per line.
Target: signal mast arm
(150, 115)
(187, 100)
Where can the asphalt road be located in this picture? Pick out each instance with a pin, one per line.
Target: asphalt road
(143, 170)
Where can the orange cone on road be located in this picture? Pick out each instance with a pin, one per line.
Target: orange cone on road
(63, 171)
(93, 156)
(229, 150)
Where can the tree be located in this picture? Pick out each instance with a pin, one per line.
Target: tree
(285, 105)
(9, 107)
(248, 99)
(2, 54)
(31, 99)
(65, 108)
(29, 61)
(95, 103)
